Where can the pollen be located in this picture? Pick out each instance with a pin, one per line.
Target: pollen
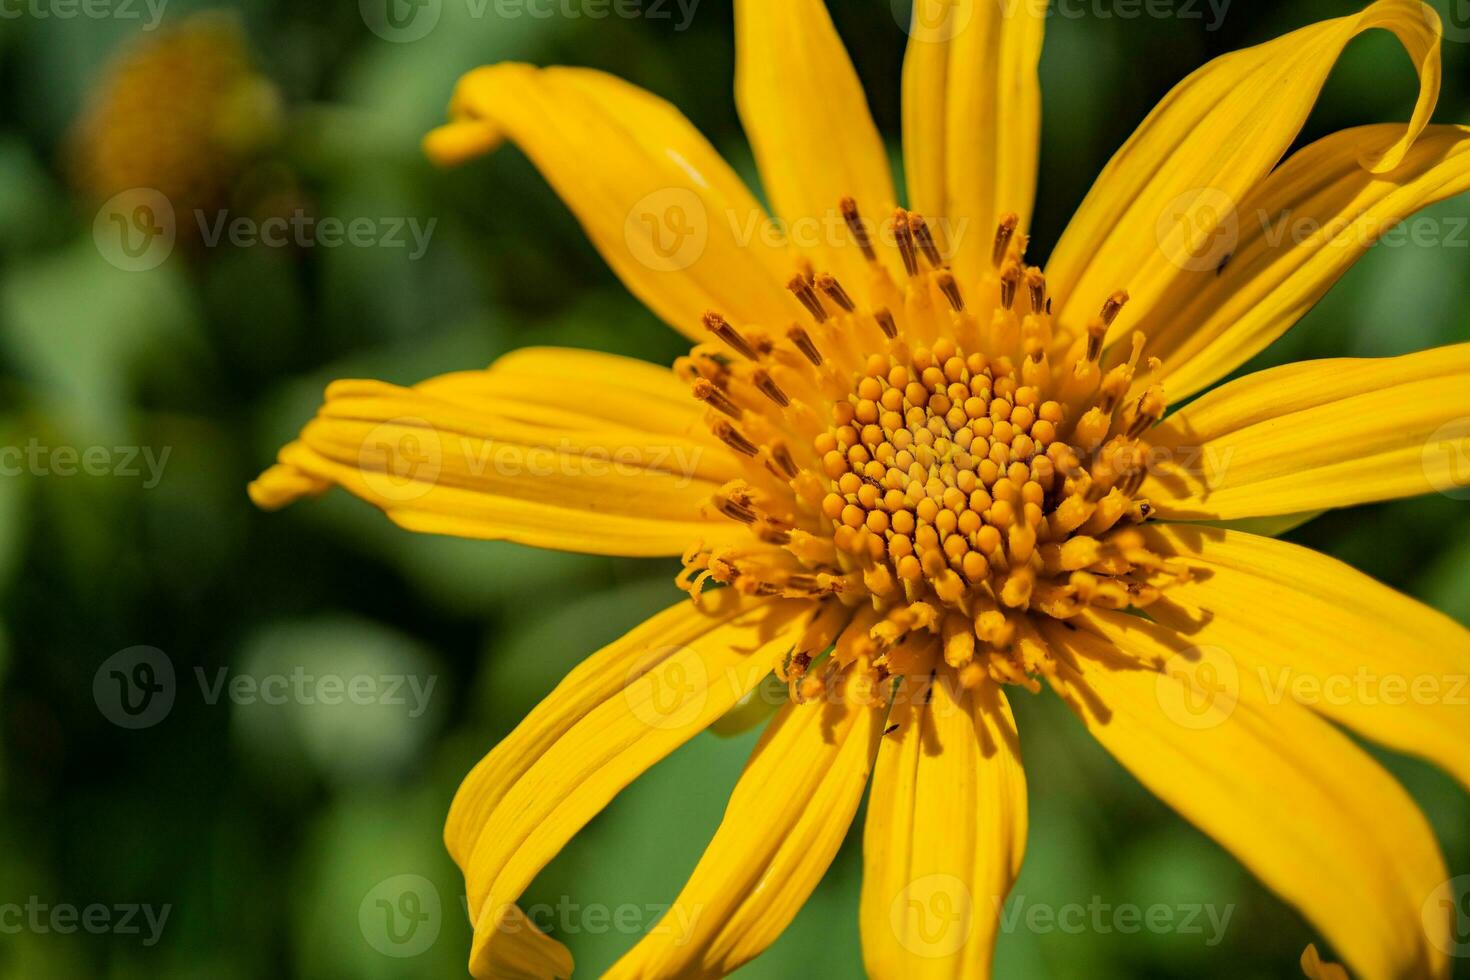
(933, 461)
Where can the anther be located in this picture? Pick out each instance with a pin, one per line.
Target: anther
(721, 328)
(1003, 234)
(734, 509)
(859, 230)
(1151, 409)
(731, 437)
(885, 322)
(808, 297)
(711, 394)
(828, 284)
(951, 290)
(1096, 331)
(925, 238)
(904, 235)
(781, 456)
(1036, 284)
(803, 341)
(1113, 307)
(769, 388)
(1010, 278)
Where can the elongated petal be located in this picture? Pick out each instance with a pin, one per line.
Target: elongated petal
(809, 124)
(1310, 813)
(1315, 435)
(786, 819)
(1199, 153)
(945, 833)
(556, 449)
(1312, 629)
(629, 706)
(666, 212)
(1297, 233)
(972, 118)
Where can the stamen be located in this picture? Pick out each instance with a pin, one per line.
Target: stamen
(904, 235)
(803, 341)
(1036, 284)
(951, 290)
(808, 297)
(721, 328)
(769, 388)
(711, 394)
(925, 238)
(1113, 307)
(1096, 331)
(858, 229)
(829, 285)
(885, 323)
(1003, 234)
(732, 437)
(1010, 278)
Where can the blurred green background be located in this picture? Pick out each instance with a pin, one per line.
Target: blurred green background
(271, 831)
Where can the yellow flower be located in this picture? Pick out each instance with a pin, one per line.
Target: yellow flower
(928, 473)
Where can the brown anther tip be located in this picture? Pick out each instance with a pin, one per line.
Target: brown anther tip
(1114, 306)
(828, 284)
(801, 286)
(886, 322)
(721, 328)
(849, 208)
(920, 228)
(903, 234)
(768, 387)
(951, 290)
(803, 342)
(1007, 228)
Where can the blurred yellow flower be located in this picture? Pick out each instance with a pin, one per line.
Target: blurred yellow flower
(181, 112)
(927, 472)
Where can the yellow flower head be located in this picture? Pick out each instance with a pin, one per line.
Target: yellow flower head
(927, 472)
(180, 112)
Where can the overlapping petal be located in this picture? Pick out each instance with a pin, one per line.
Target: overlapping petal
(1310, 813)
(1203, 149)
(786, 819)
(627, 707)
(972, 118)
(620, 465)
(945, 833)
(1315, 435)
(664, 209)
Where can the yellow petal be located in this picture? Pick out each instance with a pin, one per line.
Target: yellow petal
(1206, 145)
(666, 212)
(1314, 969)
(808, 122)
(1290, 240)
(627, 707)
(1312, 629)
(946, 829)
(557, 449)
(785, 820)
(1316, 435)
(972, 119)
(1301, 806)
